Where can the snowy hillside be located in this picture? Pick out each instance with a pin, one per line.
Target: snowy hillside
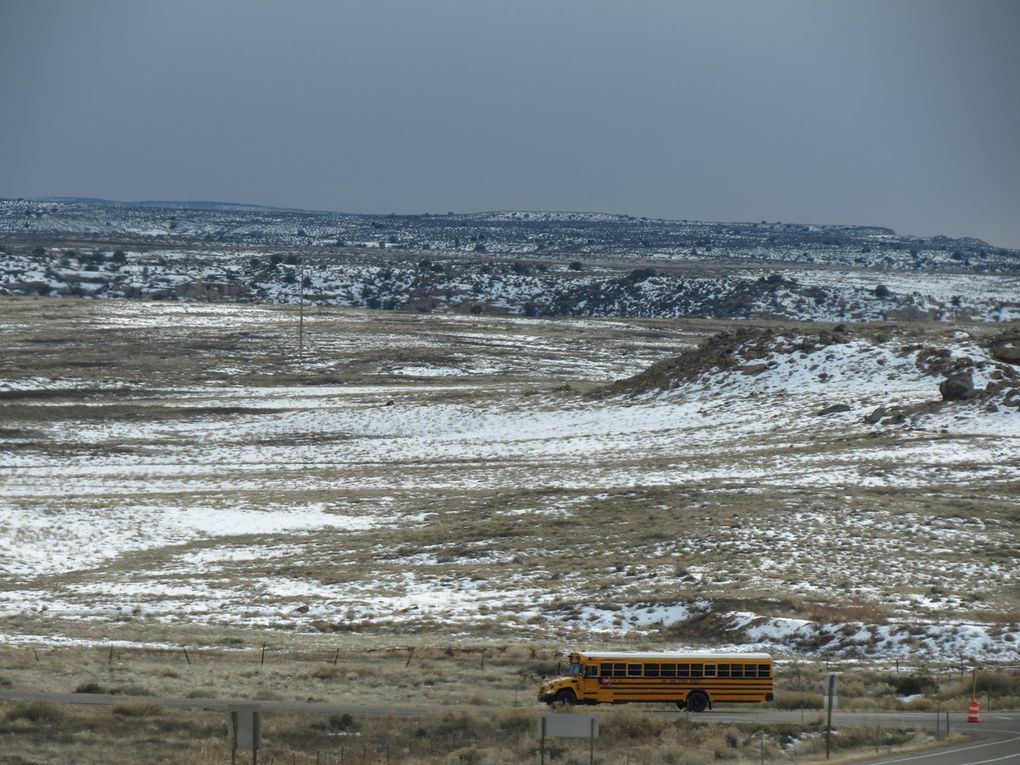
(831, 491)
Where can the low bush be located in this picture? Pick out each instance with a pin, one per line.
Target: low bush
(998, 683)
(860, 705)
(516, 720)
(137, 708)
(913, 684)
(328, 672)
(37, 713)
(90, 687)
(798, 700)
(858, 736)
(628, 723)
(337, 724)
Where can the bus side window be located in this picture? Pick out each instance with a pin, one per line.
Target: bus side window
(633, 670)
(724, 670)
(619, 670)
(696, 670)
(683, 670)
(710, 670)
(590, 670)
(737, 670)
(763, 670)
(651, 670)
(668, 670)
(606, 670)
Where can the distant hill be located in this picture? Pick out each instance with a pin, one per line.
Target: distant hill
(178, 204)
(511, 262)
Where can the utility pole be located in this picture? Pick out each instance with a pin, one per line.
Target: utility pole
(301, 312)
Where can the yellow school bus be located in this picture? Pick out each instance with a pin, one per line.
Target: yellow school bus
(693, 681)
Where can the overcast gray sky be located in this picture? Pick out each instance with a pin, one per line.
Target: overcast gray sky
(904, 113)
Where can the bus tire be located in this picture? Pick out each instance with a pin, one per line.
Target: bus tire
(697, 702)
(565, 698)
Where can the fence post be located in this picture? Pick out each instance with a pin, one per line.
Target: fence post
(828, 722)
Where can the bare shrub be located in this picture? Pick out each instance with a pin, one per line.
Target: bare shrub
(90, 687)
(38, 713)
(913, 684)
(857, 736)
(516, 720)
(328, 672)
(337, 723)
(861, 705)
(798, 700)
(676, 754)
(132, 690)
(137, 708)
(458, 723)
(627, 723)
(998, 683)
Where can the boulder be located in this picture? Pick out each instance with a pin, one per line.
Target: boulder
(877, 415)
(958, 386)
(834, 409)
(1006, 348)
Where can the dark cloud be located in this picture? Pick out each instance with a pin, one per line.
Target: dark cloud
(902, 114)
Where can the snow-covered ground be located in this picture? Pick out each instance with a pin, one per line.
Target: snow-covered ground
(465, 493)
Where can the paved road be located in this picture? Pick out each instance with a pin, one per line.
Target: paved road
(996, 739)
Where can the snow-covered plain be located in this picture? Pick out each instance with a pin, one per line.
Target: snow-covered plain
(464, 481)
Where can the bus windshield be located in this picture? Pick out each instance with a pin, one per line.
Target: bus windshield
(574, 669)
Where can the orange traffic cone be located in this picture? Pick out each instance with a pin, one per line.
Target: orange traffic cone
(974, 711)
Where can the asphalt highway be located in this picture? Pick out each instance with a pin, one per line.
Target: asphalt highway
(995, 739)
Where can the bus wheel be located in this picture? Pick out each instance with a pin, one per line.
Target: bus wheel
(697, 702)
(565, 698)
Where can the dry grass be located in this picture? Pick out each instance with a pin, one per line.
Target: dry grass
(463, 735)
